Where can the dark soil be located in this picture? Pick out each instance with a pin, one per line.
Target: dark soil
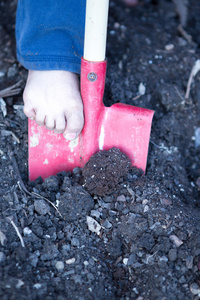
(138, 238)
(104, 171)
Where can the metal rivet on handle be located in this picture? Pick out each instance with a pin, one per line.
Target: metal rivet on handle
(92, 76)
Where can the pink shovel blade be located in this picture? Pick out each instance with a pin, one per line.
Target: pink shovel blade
(127, 128)
(123, 126)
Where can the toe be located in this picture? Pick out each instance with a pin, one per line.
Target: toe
(60, 124)
(50, 123)
(40, 118)
(75, 124)
(29, 112)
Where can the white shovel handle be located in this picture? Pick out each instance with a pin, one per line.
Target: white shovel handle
(96, 21)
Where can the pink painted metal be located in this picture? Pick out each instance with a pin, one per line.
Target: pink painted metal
(123, 126)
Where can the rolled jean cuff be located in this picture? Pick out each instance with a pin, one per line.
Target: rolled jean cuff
(45, 63)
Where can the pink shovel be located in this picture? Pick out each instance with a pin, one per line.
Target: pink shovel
(122, 126)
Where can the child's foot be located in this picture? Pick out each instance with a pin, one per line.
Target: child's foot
(52, 98)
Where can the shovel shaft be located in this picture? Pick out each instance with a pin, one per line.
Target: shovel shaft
(96, 21)
(92, 89)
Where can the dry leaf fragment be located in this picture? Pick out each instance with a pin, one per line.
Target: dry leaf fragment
(195, 70)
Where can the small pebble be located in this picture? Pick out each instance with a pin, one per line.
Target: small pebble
(75, 242)
(19, 284)
(107, 199)
(125, 261)
(70, 261)
(131, 259)
(125, 211)
(2, 74)
(77, 279)
(194, 288)
(197, 137)
(176, 240)
(189, 262)
(169, 47)
(116, 25)
(182, 279)
(2, 238)
(141, 89)
(12, 71)
(172, 254)
(146, 208)
(112, 213)
(59, 265)
(121, 198)
(93, 225)
(51, 184)
(37, 286)
(95, 213)
(2, 257)
(27, 231)
(165, 201)
(41, 207)
(33, 259)
(163, 259)
(107, 224)
(182, 42)
(145, 201)
(90, 277)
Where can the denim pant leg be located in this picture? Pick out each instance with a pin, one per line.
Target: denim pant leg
(50, 34)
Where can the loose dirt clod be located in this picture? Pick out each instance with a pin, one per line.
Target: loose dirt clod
(104, 171)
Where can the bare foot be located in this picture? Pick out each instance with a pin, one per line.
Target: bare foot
(52, 98)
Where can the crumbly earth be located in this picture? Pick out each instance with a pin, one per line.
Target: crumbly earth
(104, 171)
(146, 242)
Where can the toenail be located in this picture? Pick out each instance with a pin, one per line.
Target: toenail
(70, 136)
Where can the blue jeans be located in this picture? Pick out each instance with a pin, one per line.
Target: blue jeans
(50, 34)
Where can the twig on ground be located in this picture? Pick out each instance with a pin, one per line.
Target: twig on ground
(12, 61)
(11, 91)
(22, 186)
(184, 34)
(17, 231)
(39, 196)
(160, 147)
(183, 100)
(150, 256)
(167, 223)
(136, 97)
(9, 132)
(195, 70)
(15, 137)
(182, 10)
(17, 173)
(12, 121)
